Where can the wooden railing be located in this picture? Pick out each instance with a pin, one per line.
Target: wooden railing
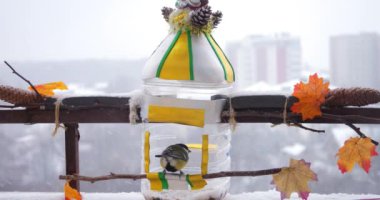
(246, 109)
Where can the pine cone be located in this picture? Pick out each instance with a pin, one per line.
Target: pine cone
(201, 17)
(216, 18)
(352, 97)
(17, 96)
(166, 11)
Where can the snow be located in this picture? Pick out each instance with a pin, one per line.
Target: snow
(60, 196)
(263, 88)
(95, 90)
(294, 150)
(268, 195)
(274, 195)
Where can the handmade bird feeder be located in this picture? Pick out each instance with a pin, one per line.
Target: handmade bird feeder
(182, 79)
(186, 85)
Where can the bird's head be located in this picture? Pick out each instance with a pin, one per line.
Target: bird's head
(191, 4)
(184, 147)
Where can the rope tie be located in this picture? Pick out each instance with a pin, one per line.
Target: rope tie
(285, 115)
(232, 120)
(285, 112)
(58, 104)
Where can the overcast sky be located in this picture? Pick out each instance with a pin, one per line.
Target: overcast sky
(126, 29)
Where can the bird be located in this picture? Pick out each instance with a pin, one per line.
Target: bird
(174, 158)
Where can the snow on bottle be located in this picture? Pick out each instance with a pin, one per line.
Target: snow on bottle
(186, 80)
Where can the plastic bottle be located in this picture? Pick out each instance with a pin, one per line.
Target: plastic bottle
(189, 68)
(163, 135)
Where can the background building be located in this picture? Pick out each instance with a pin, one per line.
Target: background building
(355, 60)
(271, 59)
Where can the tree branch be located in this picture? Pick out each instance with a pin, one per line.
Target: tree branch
(103, 178)
(134, 177)
(347, 122)
(26, 80)
(299, 125)
(360, 133)
(243, 173)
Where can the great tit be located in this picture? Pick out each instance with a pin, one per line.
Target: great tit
(174, 157)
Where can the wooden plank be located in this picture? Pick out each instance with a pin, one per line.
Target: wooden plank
(330, 116)
(114, 115)
(75, 102)
(262, 102)
(72, 152)
(90, 115)
(249, 109)
(73, 110)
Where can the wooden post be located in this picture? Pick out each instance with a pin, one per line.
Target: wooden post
(72, 152)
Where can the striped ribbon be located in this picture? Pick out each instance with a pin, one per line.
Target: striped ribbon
(178, 61)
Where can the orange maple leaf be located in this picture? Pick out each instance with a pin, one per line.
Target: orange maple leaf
(310, 97)
(47, 88)
(294, 178)
(356, 150)
(71, 193)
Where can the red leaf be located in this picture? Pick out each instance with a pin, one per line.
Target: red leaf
(356, 151)
(71, 193)
(310, 97)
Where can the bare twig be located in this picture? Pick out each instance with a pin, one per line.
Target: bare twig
(307, 128)
(346, 120)
(134, 177)
(360, 133)
(299, 125)
(112, 176)
(26, 80)
(243, 173)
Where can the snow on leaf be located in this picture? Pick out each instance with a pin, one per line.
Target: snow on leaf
(356, 150)
(47, 88)
(294, 178)
(311, 96)
(71, 193)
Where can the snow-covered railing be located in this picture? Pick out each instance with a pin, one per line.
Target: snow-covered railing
(246, 109)
(312, 103)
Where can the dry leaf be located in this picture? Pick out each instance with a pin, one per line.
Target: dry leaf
(294, 179)
(71, 193)
(47, 89)
(311, 96)
(356, 150)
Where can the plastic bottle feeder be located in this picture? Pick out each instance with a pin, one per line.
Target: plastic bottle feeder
(183, 82)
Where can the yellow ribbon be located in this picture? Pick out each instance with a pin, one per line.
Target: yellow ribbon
(146, 151)
(187, 116)
(155, 181)
(177, 64)
(227, 67)
(204, 165)
(196, 181)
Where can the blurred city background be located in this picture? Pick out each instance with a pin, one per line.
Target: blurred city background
(99, 47)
